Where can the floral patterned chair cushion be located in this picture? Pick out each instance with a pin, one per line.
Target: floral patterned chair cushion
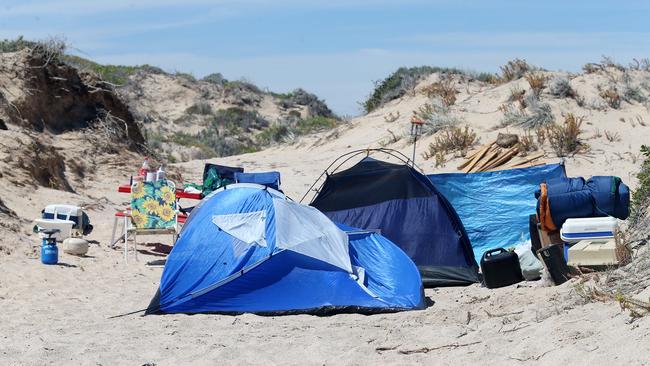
(153, 205)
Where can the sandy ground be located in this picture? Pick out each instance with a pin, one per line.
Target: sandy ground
(62, 314)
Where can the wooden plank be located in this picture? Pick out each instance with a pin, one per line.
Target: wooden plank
(503, 158)
(486, 160)
(478, 157)
(473, 153)
(470, 159)
(527, 159)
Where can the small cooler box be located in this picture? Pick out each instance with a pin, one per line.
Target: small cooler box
(593, 253)
(67, 213)
(592, 228)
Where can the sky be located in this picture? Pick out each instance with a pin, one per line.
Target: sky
(336, 49)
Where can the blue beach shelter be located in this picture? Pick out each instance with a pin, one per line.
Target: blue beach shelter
(248, 248)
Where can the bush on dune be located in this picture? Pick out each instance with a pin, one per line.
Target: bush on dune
(399, 83)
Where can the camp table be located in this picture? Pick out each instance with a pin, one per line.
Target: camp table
(125, 188)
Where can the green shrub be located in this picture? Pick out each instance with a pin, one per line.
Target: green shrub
(14, 45)
(200, 107)
(185, 75)
(399, 83)
(115, 74)
(641, 195)
(215, 78)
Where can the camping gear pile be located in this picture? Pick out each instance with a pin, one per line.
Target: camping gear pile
(372, 237)
(577, 222)
(496, 156)
(569, 221)
(67, 224)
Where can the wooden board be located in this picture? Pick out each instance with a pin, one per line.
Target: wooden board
(477, 158)
(474, 156)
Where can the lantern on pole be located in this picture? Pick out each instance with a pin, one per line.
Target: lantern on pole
(416, 131)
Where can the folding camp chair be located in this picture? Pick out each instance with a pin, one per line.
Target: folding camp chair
(153, 212)
(216, 176)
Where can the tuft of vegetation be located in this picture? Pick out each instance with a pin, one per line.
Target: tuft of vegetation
(114, 74)
(611, 97)
(201, 107)
(537, 82)
(561, 87)
(517, 95)
(15, 45)
(641, 195)
(487, 77)
(241, 85)
(612, 136)
(539, 114)
(215, 78)
(527, 143)
(452, 140)
(436, 116)
(288, 130)
(444, 89)
(185, 75)
(565, 139)
(516, 69)
(634, 94)
(399, 83)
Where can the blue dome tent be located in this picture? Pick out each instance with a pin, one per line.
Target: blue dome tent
(248, 248)
(406, 208)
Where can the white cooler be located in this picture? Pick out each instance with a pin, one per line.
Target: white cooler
(593, 253)
(65, 212)
(591, 228)
(64, 226)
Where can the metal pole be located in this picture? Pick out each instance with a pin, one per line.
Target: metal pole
(415, 141)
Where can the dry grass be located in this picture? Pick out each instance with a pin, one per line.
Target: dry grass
(515, 69)
(444, 89)
(611, 97)
(518, 95)
(612, 136)
(437, 116)
(452, 140)
(527, 143)
(565, 139)
(541, 136)
(537, 82)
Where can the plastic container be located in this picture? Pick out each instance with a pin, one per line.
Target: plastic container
(593, 253)
(500, 268)
(151, 177)
(591, 228)
(161, 175)
(553, 259)
(144, 169)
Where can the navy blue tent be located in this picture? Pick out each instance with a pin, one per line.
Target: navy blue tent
(407, 209)
(247, 248)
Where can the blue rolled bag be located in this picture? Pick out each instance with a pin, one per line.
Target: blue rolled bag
(598, 196)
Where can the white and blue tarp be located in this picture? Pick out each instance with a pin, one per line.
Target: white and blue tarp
(495, 206)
